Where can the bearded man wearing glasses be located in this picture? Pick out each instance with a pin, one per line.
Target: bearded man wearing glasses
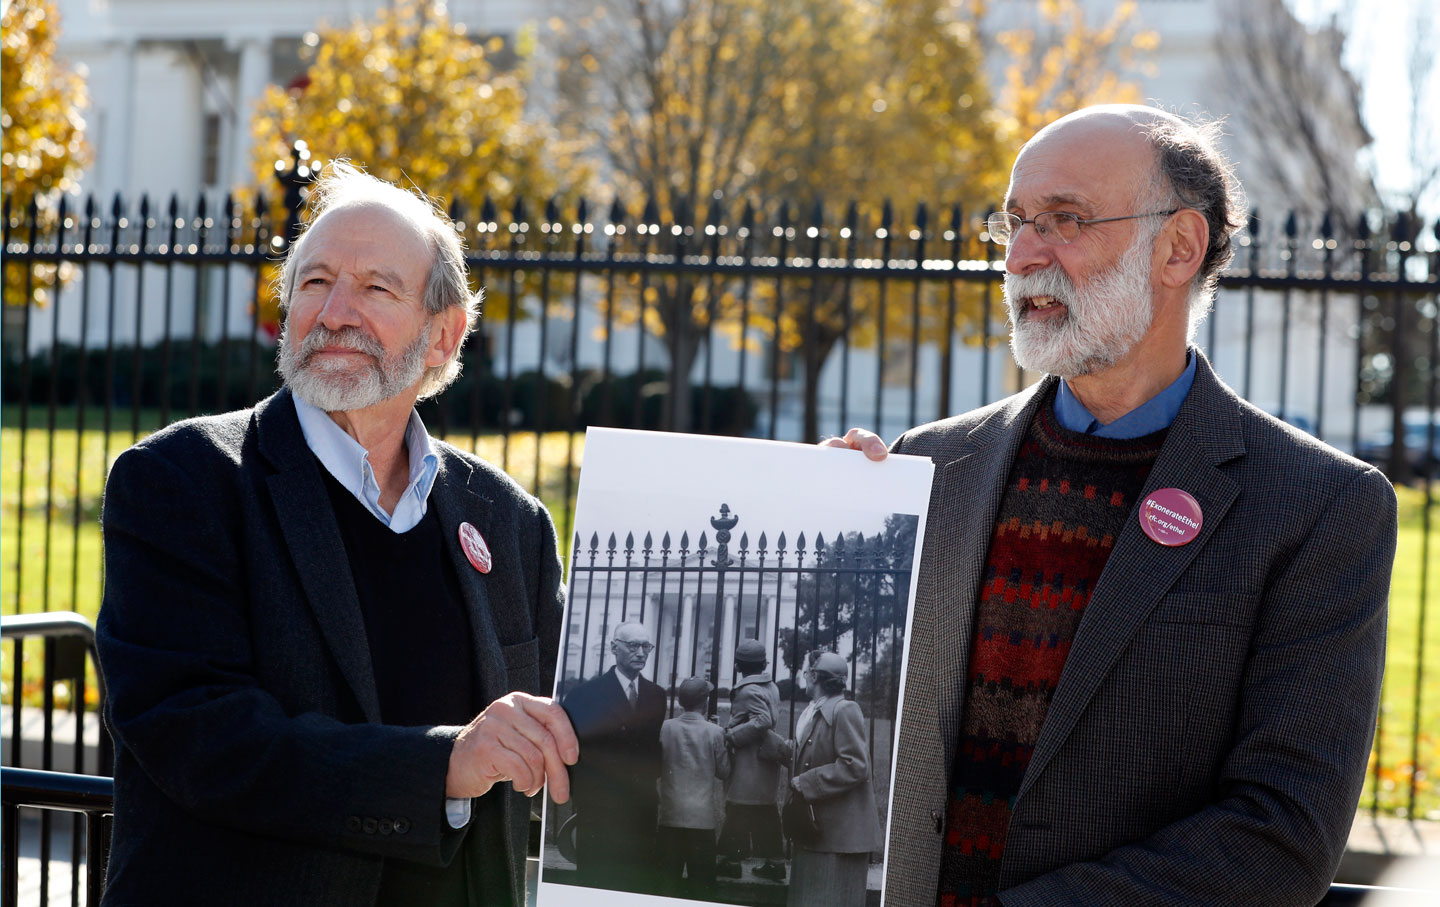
(617, 716)
(1150, 621)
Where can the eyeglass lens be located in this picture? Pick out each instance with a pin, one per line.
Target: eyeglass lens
(1052, 226)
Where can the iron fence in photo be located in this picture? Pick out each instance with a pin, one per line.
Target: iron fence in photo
(794, 594)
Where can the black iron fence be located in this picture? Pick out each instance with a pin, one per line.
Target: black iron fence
(795, 597)
(776, 322)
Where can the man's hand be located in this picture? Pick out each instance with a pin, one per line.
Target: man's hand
(526, 740)
(860, 439)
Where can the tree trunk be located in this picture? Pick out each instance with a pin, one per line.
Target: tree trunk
(815, 358)
(682, 343)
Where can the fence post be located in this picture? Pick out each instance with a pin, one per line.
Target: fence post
(722, 524)
(294, 182)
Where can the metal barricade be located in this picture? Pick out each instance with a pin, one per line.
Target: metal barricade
(53, 738)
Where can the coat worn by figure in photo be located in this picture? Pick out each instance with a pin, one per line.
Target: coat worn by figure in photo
(832, 772)
(614, 783)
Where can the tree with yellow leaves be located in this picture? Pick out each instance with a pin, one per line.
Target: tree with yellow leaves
(701, 106)
(1060, 63)
(44, 150)
(412, 98)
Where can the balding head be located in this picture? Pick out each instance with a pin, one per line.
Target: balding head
(1168, 161)
(631, 646)
(343, 188)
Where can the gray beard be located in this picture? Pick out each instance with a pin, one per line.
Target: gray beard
(340, 387)
(1102, 323)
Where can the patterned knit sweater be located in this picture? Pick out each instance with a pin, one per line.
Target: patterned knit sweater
(1067, 498)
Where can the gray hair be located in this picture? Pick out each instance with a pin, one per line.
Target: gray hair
(615, 634)
(448, 285)
(1192, 172)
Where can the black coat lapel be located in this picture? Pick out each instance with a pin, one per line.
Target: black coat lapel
(457, 499)
(1140, 571)
(307, 520)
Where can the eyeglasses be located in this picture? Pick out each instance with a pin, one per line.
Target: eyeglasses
(1055, 227)
(637, 646)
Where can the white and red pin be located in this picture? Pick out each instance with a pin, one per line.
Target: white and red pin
(1171, 517)
(476, 551)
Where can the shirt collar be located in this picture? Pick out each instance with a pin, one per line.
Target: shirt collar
(344, 458)
(1147, 418)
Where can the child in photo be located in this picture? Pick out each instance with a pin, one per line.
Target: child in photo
(693, 757)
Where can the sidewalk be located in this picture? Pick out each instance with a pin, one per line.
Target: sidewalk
(1385, 852)
(1398, 852)
(32, 735)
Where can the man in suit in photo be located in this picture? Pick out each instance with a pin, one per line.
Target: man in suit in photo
(1150, 620)
(617, 717)
(324, 633)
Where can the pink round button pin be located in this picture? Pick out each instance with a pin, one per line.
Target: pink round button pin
(1171, 517)
(476, 551)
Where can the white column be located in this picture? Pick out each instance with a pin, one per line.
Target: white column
(250, 86)
(114, 157)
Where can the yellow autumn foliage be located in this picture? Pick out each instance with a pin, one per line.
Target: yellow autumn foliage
(1063, 62)
(411, 97)
(44, 149)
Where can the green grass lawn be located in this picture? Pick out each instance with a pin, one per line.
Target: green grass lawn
(57, 567)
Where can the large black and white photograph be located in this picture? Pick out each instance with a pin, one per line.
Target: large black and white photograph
(734, 651)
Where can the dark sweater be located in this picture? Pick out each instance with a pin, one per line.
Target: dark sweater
(420, 646)
(1067, 498)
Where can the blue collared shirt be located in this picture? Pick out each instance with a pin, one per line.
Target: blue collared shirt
(1149, 417)
(344, 458)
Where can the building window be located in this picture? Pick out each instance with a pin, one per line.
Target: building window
(210, 145)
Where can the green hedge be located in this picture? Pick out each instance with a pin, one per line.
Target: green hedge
(479, 400)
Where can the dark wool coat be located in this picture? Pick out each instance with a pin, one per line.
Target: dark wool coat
(756, 705)
(832, 771)
(250, 764)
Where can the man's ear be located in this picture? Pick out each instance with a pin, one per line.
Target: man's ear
(446, 329)
(1181, 247)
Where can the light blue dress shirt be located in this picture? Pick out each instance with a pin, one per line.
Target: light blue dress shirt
(1149, 417)
(344, 458)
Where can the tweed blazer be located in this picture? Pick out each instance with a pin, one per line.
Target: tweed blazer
(1209, 734)
(250, 766)
(832, 772)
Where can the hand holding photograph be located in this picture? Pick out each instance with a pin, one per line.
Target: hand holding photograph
(735, 642)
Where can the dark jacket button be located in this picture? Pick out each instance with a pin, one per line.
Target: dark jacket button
(371, 825)
(352, 823)
(386, 826)
(402, 825)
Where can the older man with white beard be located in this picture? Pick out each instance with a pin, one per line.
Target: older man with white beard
(1150, 623)
(325, 633)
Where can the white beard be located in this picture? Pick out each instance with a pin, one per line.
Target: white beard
(1102, 322)
(340, 386)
